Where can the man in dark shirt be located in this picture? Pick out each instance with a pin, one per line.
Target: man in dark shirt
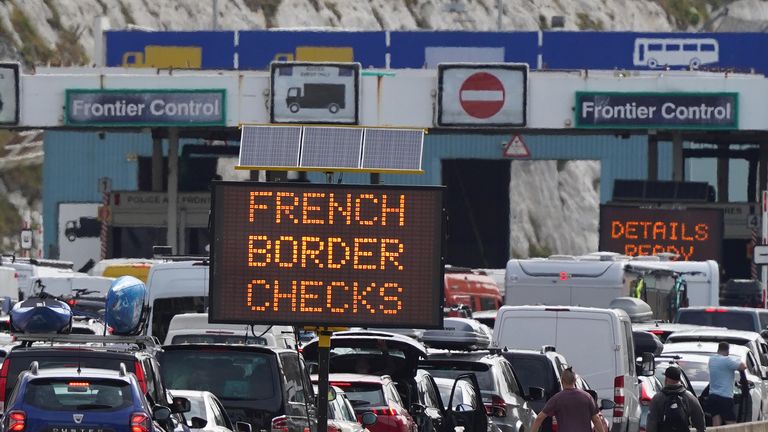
(691, 407)
(574, 408)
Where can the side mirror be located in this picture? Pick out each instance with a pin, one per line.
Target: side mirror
(607, 404)
(181, 405)
(463, 408)
(243, 427)
(331, 394)
(161, 413)
(647, 366)
(417, 408)
(368, 418)
(535, 394)
(197, 423)
(764, 333)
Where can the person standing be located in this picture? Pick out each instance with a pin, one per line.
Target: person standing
(574, 408)
(674, 409)
(720, 399)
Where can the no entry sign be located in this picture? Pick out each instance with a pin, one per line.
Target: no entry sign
(482, 95)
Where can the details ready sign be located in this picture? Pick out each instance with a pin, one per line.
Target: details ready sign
(611, 110)
(692, 234)
(86, 107)
(326, 255)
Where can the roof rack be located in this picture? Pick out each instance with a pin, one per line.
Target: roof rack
(67, 265)
(142, 341)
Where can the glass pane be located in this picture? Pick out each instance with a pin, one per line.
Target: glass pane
(81, 395)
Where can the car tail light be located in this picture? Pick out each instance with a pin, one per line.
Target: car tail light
(618, 399)
(332, 428)
(385, 411)
(71, 302)
(554, 424)
(657, 332)
(496, 403)
(140, 422)
(711, 309)
(279, 424)
(4, 381)
(16, 421)
(139, 372)
(645, 399)
(341, 384)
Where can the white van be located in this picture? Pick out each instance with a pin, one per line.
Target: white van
(195, 328)
(597, 343)
(27, 271)
(564, 280)
(9, 283)
(175, 288)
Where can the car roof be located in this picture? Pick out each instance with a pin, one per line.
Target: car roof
(716, 333)
(701, 347)
(72, 350)
(721, 308)
(223, 346)
(671, 358)
(354, 377)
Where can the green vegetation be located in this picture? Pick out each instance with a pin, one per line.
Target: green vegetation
(690, 13)
(26, 179)
(536, 251)
(585, 22)
(10, 220)
(33, 49)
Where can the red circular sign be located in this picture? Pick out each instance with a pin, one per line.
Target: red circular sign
(482, 95)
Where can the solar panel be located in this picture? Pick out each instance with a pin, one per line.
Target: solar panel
(270, 146)
(331, 147)
(396, 149)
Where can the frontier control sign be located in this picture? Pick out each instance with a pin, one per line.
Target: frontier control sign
(610, 110)
(327, 255)
(194, 107)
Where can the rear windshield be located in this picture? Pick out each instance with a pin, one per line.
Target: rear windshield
(534, 372)
(164, 309)
(218, 338)
(365, 395)
(21, 363)
(78, 394)
(229, 374)
(734, 320)
(482, 371)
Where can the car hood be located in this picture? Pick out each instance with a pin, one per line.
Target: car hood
(402, 360)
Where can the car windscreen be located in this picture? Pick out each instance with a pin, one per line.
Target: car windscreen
(364, 395)
(164, 309)
(17, 364)
(482, 371)
(534, 372)
(218, 338)
(80, 394)
(229, 374)
(733, 320)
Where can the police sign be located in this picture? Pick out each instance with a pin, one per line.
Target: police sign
(615, 110)
(193, 107)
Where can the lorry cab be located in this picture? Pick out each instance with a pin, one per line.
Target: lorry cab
(473, 288)
(175, 288)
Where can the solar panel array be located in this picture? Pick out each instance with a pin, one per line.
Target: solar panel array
(331, 148)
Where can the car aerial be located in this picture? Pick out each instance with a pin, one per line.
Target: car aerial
(376, 394)
(267, 387)
(538, 369)
(89, 351)
(207, 414)
(80, 399)
(734, 318)
(749, 339)
(694, 360)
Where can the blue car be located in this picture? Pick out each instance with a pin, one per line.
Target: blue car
(80, 400)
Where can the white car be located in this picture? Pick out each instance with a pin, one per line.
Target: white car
(207, 414)
(749, 339)
(695, 362)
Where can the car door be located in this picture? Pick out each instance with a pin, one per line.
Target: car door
(471, 417)
(434, 412)
(516, 393)
(298, 399)
(757, 391)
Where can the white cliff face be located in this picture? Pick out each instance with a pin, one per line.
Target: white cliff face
(554, 207)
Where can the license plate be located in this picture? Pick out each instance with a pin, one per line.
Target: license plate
(78, 428)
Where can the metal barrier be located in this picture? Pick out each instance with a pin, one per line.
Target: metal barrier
(760, 426)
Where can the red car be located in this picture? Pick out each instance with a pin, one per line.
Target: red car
(376, 394)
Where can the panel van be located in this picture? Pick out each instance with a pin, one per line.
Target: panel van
(174, 288)
(9, 283)
(194, 328)
(473, 288)
(564, 280)
(116, 267)
(598, 344)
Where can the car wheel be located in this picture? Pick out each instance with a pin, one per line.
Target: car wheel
(695, 63)
(333, 108)
(652, 63)
(294, 108)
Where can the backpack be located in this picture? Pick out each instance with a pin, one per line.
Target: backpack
(675, 417)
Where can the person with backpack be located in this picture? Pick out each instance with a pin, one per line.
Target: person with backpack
(674, 409)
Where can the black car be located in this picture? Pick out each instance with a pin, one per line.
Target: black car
(742, 292)
(138, 354)
(505, 401)
(267, 387)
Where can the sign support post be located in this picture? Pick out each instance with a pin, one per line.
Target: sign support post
(764, 269)
(323, 361)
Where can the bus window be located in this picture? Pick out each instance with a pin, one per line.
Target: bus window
(673, 47)
(690, 47)
(655, 47)
(707, 47)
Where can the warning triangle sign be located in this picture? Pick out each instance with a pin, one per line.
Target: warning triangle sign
(516, 148)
